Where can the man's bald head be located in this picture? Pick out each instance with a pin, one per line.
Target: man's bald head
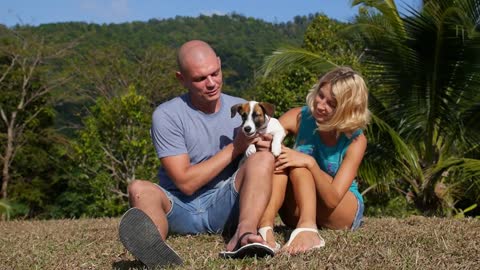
(194, 50)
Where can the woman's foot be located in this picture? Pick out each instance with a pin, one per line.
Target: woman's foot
(269, 237)
(302, 240)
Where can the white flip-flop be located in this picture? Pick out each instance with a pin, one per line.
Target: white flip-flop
(263, 232)
(299, 230)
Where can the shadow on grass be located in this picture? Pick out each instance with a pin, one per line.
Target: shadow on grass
(284, 231)
(128, 264)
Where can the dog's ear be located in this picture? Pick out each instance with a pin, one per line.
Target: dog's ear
(268, 108)
(235, 108)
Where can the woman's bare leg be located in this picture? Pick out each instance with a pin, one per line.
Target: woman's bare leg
(276, 201)
(303, 186)
(341, 217)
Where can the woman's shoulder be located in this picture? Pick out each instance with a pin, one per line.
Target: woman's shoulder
(290, 119)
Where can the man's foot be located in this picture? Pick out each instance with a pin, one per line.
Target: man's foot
(140, 236)
(302, 240)
(242, 239)
(252, 249)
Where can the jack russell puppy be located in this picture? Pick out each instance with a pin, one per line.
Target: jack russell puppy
(257, 119)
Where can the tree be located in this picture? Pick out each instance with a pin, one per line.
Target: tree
(428, 68)
(113, 149)
(26, 84)
(323, 49)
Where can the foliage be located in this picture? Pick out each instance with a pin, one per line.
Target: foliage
(423, 71)
(240, 41)
(427, 68)
(324, 47)
(26, 115)
(112, 150)
(5, 210)
(78, 171)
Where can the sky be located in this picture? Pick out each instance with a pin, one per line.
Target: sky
(35, 12)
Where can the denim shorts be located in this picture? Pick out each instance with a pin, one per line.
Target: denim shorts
(358, 220)
(208, 213)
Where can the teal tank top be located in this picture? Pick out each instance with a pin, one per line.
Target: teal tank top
(328, 158)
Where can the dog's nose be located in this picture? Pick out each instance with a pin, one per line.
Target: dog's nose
(247, 128)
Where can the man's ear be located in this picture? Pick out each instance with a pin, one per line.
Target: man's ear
(268, 108)
(179, 76)
(235, 108)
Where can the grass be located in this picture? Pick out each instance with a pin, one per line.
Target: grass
(382, 243)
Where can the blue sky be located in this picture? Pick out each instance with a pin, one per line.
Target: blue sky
(35, 12)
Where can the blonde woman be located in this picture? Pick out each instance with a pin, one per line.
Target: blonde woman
(315, 183)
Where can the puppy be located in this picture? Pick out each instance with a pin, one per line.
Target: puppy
(257, 119)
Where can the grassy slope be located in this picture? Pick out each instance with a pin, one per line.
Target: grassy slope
(386, 243)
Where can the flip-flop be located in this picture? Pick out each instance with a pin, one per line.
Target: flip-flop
(249, 250)
(140, 236)
(263, 232)
(299, 230)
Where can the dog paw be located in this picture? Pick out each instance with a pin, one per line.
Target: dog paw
(250, 150)
(276, 151)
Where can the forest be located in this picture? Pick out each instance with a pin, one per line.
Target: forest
(76, 102)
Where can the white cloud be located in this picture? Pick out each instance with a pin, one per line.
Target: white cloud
(212, 12)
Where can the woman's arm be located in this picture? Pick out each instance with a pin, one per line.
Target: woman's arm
(290, 120)
(331, 190)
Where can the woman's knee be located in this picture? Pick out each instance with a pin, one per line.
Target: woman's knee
(299, 173)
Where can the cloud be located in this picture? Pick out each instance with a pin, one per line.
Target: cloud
(212, 12)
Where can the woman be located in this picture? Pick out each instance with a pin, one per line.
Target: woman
(315, 181)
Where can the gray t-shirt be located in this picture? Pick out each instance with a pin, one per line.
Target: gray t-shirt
(179, 128)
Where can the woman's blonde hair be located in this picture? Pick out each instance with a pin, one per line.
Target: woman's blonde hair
(351, 95)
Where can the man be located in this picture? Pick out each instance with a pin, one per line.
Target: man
(201, 189)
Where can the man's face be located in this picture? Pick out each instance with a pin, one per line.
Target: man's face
(203, 78)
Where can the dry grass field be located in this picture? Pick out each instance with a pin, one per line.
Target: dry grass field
(382, 243)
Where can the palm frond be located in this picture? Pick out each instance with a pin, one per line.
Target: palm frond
(405, 161)
(284, 58)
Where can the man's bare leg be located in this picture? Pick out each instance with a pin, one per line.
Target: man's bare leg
(254, 183)
(149, 198)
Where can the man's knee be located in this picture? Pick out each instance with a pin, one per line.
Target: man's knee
(263, 160)
(141, 189)
(137, 187)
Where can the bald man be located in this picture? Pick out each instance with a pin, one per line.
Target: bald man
(201, 187)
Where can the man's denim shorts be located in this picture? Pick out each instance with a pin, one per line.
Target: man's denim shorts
(358, 220)
(207, 213)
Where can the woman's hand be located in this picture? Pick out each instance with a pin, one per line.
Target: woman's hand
(292, 158)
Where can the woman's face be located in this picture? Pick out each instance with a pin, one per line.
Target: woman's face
(324, 104)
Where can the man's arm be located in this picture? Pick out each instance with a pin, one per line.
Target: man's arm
(191, 177)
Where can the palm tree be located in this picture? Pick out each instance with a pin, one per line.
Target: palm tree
(424, 76)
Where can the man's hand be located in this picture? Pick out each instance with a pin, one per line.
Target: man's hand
(241, 142)
(264, 142)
